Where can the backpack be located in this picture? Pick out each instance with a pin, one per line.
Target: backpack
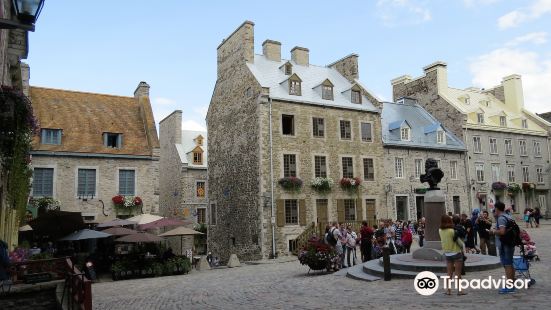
(331, 237)
(512, 233)
(351, 241)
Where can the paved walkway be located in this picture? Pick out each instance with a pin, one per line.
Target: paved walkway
(287, 286)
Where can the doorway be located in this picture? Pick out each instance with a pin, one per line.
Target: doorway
(402, 208)
(420, 205)
(321, 208)
(370, 212)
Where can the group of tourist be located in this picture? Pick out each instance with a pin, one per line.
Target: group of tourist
(532, 216)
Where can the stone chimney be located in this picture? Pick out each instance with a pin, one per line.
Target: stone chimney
(237, 48)
(142, 90)
(512, 89)
(441, 70)
(347, 66)
(25, 76)
(300, 55)
(272, 50)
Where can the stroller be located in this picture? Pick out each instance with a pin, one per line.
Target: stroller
(521, 262)
(529, 246)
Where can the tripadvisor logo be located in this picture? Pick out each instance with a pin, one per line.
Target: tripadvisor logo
(426, 283)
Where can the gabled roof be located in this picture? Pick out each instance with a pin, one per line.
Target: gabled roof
(84, 117)
(268, 74)
(325, 82)
(423, 128)
(187, 146)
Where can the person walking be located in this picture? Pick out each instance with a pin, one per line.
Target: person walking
(4, 261)
(537, 216)
(421, 231)
(527, 215)
(366, 241)
(506, 250)
(350, 247)
(484, 224)
(407, 238)
(452, 250)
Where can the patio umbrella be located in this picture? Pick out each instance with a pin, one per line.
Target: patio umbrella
(181, 231)
(139, 238)
(116, 222)
(25, 228)
(119, 231)
(163, 222)
(57, 224)
(144, 218)
(85, 234)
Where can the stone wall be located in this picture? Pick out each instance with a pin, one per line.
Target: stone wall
(170, 133)
(348, 67)
(65, 182)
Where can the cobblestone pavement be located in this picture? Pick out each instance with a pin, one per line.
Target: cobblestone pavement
(287, 286)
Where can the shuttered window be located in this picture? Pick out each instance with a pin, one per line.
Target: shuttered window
(43, 182)
(349, 210)
(127, 186)
(291, 211)
(86, 182)
(369, 169)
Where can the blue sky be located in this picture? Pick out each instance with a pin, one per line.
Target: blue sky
(110, 46)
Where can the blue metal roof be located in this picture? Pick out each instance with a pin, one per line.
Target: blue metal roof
(423, 126)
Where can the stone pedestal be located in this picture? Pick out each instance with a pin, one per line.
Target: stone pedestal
(203, 264)
(435, 206)
(233, 261)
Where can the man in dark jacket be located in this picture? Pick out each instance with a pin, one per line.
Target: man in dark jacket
(366, 241)
(4, 261)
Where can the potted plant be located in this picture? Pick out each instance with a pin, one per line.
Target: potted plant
(322, 185)
(290, 184)
(528, 188)
(513, 189)
(126, 203)
(351, 185)
(317, 255)
(499, 187)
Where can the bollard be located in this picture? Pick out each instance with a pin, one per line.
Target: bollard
(386, 263)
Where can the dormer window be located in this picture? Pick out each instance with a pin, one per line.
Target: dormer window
(113, 140)
(524, 123)
(440, 137)
(50, 136)
(356, 96)
(467, 100)
(327, 90)
(288, 69)
(197, 157)
(486, 103)
(480, 118)
(405, 133)
(502, 121)
(199, 140)
(294, 85)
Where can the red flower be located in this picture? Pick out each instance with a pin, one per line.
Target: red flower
(138, 201)
(118, 200)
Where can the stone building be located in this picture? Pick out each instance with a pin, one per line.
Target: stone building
(272, 118)
(183, 174)
(410, 136)
(505, 142)
(92, 147)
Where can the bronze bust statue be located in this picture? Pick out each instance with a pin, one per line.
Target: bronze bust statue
(433, 175)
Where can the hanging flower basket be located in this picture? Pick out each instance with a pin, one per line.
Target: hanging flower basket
(513, 189)
(351, 185)
(322, 185)
(127, 203)
(528, 188)
(290, 184)
(499, 187)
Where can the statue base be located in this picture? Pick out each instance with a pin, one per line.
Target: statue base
(434, 207)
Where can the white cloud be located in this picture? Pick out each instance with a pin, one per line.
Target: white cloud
(537, 9)
(163, 101)
(534, 38)
(193, 125)
(403, 12)
(489, 69)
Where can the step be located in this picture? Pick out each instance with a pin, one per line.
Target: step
(357, 273)
(375, 268)
(475, 262)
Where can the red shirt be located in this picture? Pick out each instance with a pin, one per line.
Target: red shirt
(366, 233)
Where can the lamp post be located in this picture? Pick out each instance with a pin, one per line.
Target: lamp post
(26, 14)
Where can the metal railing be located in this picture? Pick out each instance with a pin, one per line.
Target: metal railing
(55, 267)
(77, 289)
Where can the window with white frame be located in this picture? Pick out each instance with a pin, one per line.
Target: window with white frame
(347, 167)
(356, 96)
(453, 169)
(43, 182)
(127, 186)
(495, 172)
(50, 136)
(201, 215)
(503, 121)
(291, 212)
(525, 174)
(493, 146)
(479, 168)
(369, 169)
(508, 147)
(511, 173)
(349, 209)
(113, 140)
(399, 167)
(294, 87)
(440, 137)
(522, 147)
(418, 168)
(477, 145)
(405, 133)
(524, 123)
(86, 182)
(346, 130)
(539, 174)
(537, 149)
(289, 165)
(320, 167)
(480, 118)
(318, 127)
(327, 92)
(367, 135)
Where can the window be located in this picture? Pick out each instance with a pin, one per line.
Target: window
(467, 100)
(539, 174)
(198, 158)
(402, 207)
(288, 69)
(294, 87)
(127, 186)
(349, 210)
(479, 167)
(320, 167)
(537, 149)
(346, 130)
(503, 121)
(399, 168)
(525, 174)
(418, 168)
(404, 133)
(86, 182)
(213, 214)
(477, 145)
(200, 189)
(495, 172)
(493, 146)
(113, 140)
(522, 147)
(291, 211)
(289, 165)
(43, 182)
(453, 170)
(456, 204)
(524, 123)
(201, 215)
(50, 136)
(327, 92)
(480, 118)
(440, 137)
(347, 167)
(438, 161)
(318, 127)
(508, 147)
(288, 124)
(511, 173)
(356, 96)
(366, 132)
(369, 169)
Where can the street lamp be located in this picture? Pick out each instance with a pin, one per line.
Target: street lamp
(26, 12)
